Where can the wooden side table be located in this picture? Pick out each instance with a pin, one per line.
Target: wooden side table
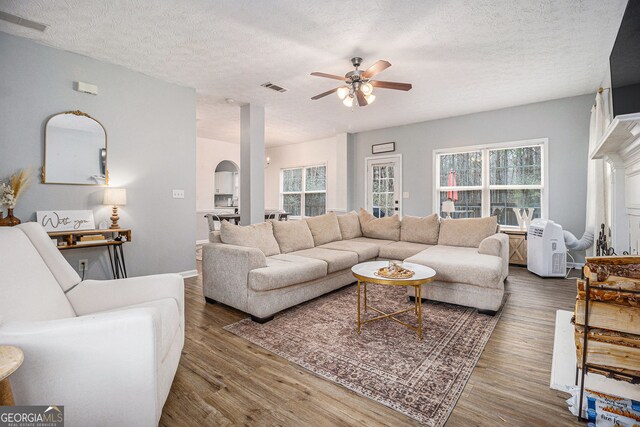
(10, 360)
(517, 247)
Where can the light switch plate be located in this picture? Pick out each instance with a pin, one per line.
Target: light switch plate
(405, 195)
(178, 194)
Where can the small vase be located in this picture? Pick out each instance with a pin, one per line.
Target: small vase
(10, 220)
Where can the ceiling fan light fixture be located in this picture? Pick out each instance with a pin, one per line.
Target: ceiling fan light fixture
(348, 101)
(370, 98)
(366, 88)
(342, 92)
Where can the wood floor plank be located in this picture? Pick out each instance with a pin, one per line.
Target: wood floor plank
(224, 380)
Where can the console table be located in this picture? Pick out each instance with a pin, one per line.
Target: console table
(115, 238)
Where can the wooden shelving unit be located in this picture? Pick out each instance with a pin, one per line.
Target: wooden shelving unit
(606, 334)
(71, 237)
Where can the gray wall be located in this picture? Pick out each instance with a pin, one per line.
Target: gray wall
(565, 122)
(151, 141)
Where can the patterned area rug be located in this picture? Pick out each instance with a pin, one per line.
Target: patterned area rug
(386, 362)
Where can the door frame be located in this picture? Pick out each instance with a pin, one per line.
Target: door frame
(397, 178)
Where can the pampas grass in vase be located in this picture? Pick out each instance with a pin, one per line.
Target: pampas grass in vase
(18, 184)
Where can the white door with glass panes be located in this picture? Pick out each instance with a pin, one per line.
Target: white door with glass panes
(384, 186)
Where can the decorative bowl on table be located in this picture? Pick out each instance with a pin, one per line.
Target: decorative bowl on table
(394, 270)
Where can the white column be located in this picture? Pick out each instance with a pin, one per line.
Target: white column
(251, 164)
(342, 172)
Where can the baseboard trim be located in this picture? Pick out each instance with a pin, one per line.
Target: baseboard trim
(188, 273)
(202, 242)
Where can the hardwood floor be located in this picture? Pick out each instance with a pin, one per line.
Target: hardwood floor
(224, 380)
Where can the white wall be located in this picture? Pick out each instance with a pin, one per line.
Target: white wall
(330, 151)
(209, 152)
(151, 138)
(565, 122)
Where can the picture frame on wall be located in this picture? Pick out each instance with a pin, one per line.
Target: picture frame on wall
(385, 147)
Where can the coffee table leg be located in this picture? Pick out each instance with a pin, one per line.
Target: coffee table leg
(358, 307)
(365, 296)
(419, 302)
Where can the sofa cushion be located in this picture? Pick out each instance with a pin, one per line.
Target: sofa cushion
(379, 228)
(60, 268)
(420, 229)
(466, 232)
(28, 289)
(253, 236)
(462, 265)
(324, 228)
(292, 235)
(336, 260)
(286, 270)
(401, 250)
(349, 225)
(377, 242)
(364, 250)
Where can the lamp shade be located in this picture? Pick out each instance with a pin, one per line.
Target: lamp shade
(115, 196)
(448, 206)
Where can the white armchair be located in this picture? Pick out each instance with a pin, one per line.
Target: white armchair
(106, 350)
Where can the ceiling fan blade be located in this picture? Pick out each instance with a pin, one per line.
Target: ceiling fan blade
(328, 76)
(376, 68)
(323, 94)
(390, 85)
(362, 101)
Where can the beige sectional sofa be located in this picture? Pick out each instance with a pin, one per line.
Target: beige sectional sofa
(265, 268)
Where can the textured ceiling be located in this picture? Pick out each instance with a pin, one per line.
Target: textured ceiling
(461, 56)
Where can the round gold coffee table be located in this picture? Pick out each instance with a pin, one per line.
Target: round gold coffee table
(365, 273)
(10, 359)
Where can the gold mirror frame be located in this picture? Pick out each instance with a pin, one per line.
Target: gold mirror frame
(44, 165)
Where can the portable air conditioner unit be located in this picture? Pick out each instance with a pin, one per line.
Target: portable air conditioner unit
(546, 251)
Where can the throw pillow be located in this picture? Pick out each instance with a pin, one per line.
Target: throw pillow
(292, 235)
(467, 232)
(349, 225)
(420, 229)
(324, 228)
(387, 228)
(252, 236)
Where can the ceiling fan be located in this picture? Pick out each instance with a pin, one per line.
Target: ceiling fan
(358, 84)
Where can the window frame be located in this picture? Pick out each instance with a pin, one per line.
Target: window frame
(486, 185)
(303, 192)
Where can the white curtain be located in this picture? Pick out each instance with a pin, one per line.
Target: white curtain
(596, 171)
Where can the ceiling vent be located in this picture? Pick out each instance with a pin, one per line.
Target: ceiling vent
(271, 86)
(22, 22)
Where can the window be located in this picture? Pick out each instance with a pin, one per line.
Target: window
(492, 180)
(304, 191)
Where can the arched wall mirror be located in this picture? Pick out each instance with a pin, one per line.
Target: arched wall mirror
(75, 150)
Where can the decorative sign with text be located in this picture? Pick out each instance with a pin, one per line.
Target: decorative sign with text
(66, 220)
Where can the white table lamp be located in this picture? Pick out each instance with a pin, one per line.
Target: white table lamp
(448, 207)
(115, 197)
